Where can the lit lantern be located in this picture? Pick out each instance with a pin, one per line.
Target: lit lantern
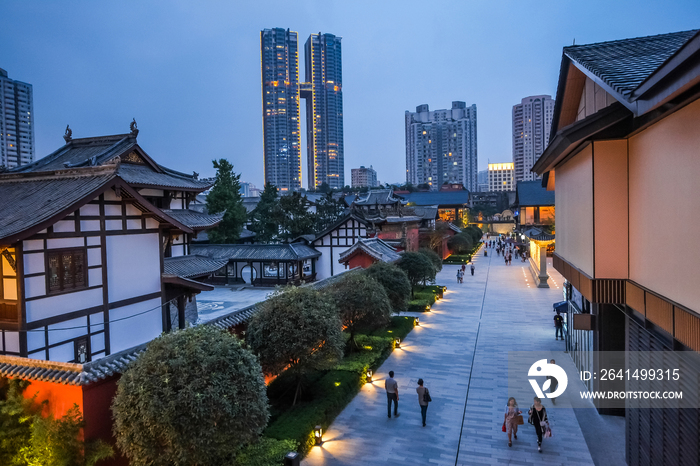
(418, 321)
(427, 308)
(318, 435)
(369, 375)
(398, 342)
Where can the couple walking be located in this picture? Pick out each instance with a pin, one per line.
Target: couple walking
(392, 395)
(537, 416)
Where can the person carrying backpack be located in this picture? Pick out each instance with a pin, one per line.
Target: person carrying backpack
(558, 326)
(423, 399)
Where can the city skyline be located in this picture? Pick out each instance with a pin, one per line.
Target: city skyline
(16, 122)
(191, 77)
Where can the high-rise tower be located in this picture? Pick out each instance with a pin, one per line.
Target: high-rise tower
(532, 120)
(324, 108)
(16, 122)
(280, 99)
(324, 111)
(441, 146)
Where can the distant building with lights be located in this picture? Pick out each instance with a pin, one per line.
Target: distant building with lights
(483, 181)
(532, 120)
(16, 122)
(363, 176)
(441, 146)
(501, 177)
(281, 94)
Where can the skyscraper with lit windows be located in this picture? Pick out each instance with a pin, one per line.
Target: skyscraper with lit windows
(282, 92)
(280, 104)
(532, 120)
(16, 122)
(441, 146)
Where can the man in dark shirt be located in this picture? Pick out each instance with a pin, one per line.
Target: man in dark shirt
(558, 326)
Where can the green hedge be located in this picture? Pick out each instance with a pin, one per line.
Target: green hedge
(457, 259)
(266, 452)
(418, 305)
(326, 393)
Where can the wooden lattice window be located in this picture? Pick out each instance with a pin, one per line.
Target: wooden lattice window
(67, 270)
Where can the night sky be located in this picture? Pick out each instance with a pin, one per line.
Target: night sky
(189, 72)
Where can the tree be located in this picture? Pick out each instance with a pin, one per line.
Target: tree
(193, 398)
(262, 219)
(362, 303)
(225, 196)
(461, 243)
(16, 415)
(293, 216)
(297, 330)
(328, 211)
(418, 268)
(434, 258)
(395, 283)
(436, 236)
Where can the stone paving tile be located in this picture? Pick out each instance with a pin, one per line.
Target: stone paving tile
(497, 305)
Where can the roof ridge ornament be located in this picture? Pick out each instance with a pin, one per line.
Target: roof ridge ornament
(133, 128)
(68, 136)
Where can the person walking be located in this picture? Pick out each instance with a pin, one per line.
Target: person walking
(511, 418)
(558, 326)
(392, 394)
(423, 399)
(538, 418)
(459, 271)
(472, 269)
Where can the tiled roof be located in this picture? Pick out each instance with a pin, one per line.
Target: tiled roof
(374, 247)
(193, 219)
(256, 252)
(100, 369)
(143, 175)
(89, 152)
(531, 193)
(425, 212)
(29, 200)
(438, 198)
(625, 64)
(380, 197)
(192, 266)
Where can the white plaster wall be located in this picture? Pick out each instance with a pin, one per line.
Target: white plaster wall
(41, 355)
(93, 241)
(34, 263)
(151, 192)
(67, 330)
(34, 286)
(56, 243)
(64, 226)
(90, 209)
(56, 305)
(36, 339)
(96, 322)
(131, 210)
(89, 225)
(133, 224)
(111, 196)
(33, 244)
(133, 331)
(133, 266)
(113, 210)
(178, 250)
(12, 341)
(112, 225)
(94, 257)
(63, 353)
(97, 343)
(150, 223)
(94, 277)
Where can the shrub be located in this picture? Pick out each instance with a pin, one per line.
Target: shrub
(297, 331)
(362, 303)
(418, 305)
(395, 283)
(266, 452)
(193, 397)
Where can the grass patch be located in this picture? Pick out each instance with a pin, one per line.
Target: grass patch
(326, 393)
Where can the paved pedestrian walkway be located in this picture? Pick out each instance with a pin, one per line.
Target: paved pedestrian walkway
(461, 351)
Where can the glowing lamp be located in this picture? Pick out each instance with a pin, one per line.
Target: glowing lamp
(398, 342)
(427, 308)
(418, 321)
(369, 375)
(318, 435)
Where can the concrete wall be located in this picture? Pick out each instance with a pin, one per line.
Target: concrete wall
(574, 208)
(664, 169)
(610, 211)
